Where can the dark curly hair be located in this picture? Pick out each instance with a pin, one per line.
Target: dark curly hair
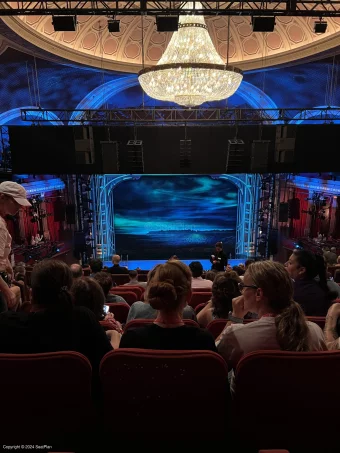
(224, 290)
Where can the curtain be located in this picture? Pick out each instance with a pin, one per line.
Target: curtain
(298, 226)
(53, 226)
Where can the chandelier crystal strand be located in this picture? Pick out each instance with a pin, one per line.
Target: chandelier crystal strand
(190, 71)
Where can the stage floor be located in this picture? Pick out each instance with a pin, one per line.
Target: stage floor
(146, 265)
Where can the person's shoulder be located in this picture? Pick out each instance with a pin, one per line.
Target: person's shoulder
(83, 313)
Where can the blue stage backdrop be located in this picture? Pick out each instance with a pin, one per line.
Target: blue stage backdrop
(159, 216)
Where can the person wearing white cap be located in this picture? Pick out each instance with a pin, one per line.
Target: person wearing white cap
(12, 197)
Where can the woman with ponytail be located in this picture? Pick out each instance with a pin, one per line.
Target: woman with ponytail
(168, 291)
(54, 324)
(267, 290)
(309, 274)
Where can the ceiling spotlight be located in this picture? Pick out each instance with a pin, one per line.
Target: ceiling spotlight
(64, 23)
(320, 27)
(263, 23)
(167, 23)
(113, 25)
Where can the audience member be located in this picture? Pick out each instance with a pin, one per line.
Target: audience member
(210, 275)
(133, 276)
(331, 257)
(143, 310)
(173, 258)
(224, 290)
(105, 281)
(87, 292)
(268, 291)
(96, 265)
(239, 271)
(332, 327)
(218, 259)
(197, 272)
(314, 296)
(77, 270)
(116, 268)
(168, 292)
(55, 324)
(248, 263)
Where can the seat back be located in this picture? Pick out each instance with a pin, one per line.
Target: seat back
(199, 307)
(201, 290)
(319, 320)
(120, 279)
(129, 296)
(143, 277)
(164, 391)
(216, 326)
(143, 322)
(120, 310)
(199, 298)
(134, 289)
(45, 395)
(289, 394)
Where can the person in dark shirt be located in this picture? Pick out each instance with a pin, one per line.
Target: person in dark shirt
(218, 259)
(96, 265)
(54, 324)
(309, 275)
(116, 268)
(168, 291)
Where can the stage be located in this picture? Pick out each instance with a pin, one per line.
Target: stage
(146, 265)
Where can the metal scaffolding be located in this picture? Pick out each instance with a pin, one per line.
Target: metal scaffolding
(309, 8)
(176, 116)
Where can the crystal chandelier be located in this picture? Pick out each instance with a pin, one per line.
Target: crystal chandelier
(190, 71)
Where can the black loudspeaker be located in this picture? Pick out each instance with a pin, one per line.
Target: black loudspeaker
(273, 241)
(294, 209)
(79, 242)
(283, 212)
(259, 155)
(70, 211)
(110, 157)
(59, 210)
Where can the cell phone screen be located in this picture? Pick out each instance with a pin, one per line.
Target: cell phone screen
(106, 308)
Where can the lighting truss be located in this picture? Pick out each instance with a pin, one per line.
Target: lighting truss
(178, 116)
(309, 8)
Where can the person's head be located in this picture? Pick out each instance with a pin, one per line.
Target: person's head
(196, 269)
(105, 281)
(19, 272)
(219, 246)
(303, 264)
(239, 271)
(169, 287)
(333, 249)
(133, 275)
(51, 281)
(87, 292)
(96, 265)
(267, 288)
(12, 197)
(224, 290)
(248, 263)
(210, 275)
(77, 270)
(116, 259)
(173, 258)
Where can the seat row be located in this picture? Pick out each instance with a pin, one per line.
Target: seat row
(286, 399)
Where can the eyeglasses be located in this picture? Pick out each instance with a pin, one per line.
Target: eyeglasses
(241, 286)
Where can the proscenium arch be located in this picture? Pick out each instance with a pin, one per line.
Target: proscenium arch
(255, 97)
(103, 185)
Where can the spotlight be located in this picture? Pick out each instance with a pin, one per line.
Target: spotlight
(64, 23)
(263, 23)
(320, 27)
(167, 23)
(113, 25)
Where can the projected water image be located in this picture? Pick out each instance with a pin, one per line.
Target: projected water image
(159, 216)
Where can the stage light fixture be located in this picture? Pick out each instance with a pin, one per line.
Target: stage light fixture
(263, 23)
(64, 23)
(167, 23)
(113, 25)
(320, 27)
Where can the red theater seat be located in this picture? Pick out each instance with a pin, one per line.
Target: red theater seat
(216, 327)
(162, 394)
(134, 289)
(129, 296)
(46, 397)
(120, 279)
(143, 322)
(199, 298)
(201, 290)
(199, 307)
(120, 310)
(291, 394)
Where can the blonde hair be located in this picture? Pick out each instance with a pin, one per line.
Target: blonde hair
(292, 332)
(169, 285)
